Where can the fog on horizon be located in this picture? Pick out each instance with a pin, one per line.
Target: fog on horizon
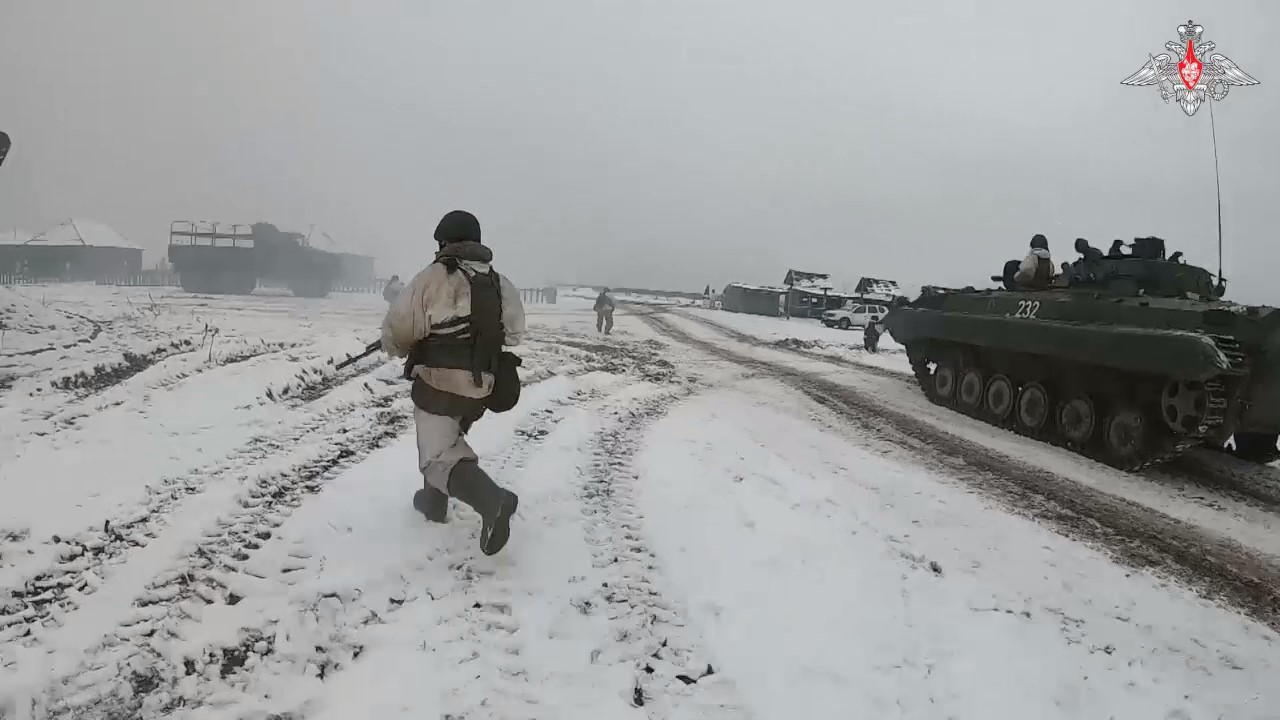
(659, 144)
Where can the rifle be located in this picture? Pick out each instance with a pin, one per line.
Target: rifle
(372, 348)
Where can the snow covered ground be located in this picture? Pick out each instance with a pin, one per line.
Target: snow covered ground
(809, 337)
(706, 530)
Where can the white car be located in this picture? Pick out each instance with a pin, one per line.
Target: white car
(854, 315)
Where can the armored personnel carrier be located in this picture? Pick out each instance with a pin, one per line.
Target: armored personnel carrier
(1127, 359)
(233, 259)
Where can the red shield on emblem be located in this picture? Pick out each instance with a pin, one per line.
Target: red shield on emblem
(1189, 68)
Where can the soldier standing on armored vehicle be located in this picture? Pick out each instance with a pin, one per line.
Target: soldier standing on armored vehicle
(1036, 270)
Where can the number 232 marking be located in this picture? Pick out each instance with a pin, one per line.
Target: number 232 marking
(1027, 309)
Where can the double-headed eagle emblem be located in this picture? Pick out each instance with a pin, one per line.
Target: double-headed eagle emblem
(1190, 78)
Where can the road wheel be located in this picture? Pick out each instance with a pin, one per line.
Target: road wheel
(998, 398)
(1077, 419)
(970, 390)
(1126, 437)
(944, 382)
(844, 324)
(1033, 407)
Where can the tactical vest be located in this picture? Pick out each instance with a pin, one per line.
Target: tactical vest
(478, 343)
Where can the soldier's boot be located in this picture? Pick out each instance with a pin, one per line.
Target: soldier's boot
(433, 504)
(472, 485)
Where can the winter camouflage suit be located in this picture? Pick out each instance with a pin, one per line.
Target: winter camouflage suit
(604, 312)
(431, 323)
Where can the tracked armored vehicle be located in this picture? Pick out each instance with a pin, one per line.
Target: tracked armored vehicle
(232, 259)
(1130, 360)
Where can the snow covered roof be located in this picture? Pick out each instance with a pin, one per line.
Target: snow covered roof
(876, 286)
(79, 232)
(759, 288)
(808, 280)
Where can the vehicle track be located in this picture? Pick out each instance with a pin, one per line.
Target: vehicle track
(135, 679)
(131, 674)
(1255, 484)
(1216, 568)
(85, 560)
(671, 673)
(486, 626)
(104, 377)
(904, 377)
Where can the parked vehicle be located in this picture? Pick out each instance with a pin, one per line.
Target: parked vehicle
(213, 258)
(854, 315)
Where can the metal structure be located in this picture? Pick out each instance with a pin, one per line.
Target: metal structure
(1130, 359)
(219, 258)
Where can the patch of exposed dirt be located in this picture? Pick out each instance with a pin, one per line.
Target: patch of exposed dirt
(103, 376)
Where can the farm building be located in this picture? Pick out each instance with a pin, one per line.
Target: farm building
(877, 289)
(752, 299)
(809, 294)
(74, 250)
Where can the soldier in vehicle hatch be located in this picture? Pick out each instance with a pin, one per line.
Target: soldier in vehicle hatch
(451, 323)
(1090, 256)
(1088, 253)
(1117, 249)
(1036, 270)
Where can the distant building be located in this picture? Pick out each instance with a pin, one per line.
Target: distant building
(74, 250)
(873, 288)
(810, 294)
(752, 299)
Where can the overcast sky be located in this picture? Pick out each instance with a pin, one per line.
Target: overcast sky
(651, 143)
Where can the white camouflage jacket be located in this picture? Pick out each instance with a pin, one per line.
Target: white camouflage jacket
(435, 296)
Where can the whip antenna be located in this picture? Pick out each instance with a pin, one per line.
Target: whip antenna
(1217, 179)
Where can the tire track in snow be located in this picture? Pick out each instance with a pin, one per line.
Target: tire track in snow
(673, 677)
(84, 560)
(244, 353)
(129, 675)
(1216, 568)
(903, 376)
(219, 574)
(486, 627)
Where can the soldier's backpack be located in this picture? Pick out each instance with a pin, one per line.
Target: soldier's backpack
(488, 335)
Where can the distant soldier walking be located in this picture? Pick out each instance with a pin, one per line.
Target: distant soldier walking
(393, 289)
(604, 312)
(871, 336)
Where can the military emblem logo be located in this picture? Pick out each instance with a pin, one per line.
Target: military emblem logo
(1198, 74)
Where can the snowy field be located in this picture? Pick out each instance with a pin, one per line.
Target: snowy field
(807, 336)
(202, 518)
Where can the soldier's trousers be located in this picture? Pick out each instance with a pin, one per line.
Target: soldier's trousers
(441, 445)
(604, 320)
